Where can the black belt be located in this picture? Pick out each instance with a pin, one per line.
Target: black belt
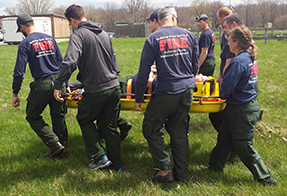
(47, 77)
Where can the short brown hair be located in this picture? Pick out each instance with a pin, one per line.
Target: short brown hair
(75, 11)
(233, 18)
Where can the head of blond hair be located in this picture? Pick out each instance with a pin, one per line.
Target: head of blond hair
(224, 11)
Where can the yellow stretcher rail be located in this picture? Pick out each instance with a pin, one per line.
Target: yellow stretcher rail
(205, 99)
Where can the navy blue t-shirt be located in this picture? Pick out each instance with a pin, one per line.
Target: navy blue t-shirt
(224, 55)
(207, 39)
(223, 41)
(239, 80)
(175, 52)
(43, 55)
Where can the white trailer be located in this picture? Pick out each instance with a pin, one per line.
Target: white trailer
(43, 25)
(9, 28)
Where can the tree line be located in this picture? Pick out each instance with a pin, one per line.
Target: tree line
(255, 13)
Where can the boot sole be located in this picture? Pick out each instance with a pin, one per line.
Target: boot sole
(108, 163)
(58, 150)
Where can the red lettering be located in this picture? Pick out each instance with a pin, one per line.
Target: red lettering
(183, 41)
(36, 47)
(42, 47)
(214, 37)
(45, 44)
(169, 44)
(176, 43)
(162, 44)
(254, 70)
(51, 44)
(173, 43)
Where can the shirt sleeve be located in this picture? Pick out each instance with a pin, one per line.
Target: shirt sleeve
(205, 41)
(69, 64)
(195, 55)
(20, 68)
(147, 59)
(230, 79)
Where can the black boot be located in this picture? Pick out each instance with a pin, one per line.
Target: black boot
(54, 150)
(124, 128)
(163, 176)
(64, 153)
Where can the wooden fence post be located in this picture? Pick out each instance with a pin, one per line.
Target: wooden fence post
(266, 35)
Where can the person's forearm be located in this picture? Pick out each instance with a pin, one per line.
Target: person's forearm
(201, 59)
(202, 56)
(226, 65)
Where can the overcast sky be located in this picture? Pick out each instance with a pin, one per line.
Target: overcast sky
(101, 3)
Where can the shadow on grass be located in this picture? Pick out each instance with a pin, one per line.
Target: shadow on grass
(28, 164)
(199, 173)
(29, 167)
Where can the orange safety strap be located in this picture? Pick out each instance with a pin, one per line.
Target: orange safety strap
(149, 90)
(129, 88)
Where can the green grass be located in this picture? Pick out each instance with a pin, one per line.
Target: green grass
(274, 34)
(24, 171)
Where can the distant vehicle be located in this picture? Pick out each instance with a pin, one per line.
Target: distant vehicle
(9, 28)
(111, 34)
(1, 36)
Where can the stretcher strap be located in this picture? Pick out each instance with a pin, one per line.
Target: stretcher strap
(129, 88)
(148, 92)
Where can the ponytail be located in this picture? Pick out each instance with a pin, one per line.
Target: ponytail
(243, 36)
(253, 52)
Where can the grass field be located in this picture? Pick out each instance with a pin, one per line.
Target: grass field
(24, 171)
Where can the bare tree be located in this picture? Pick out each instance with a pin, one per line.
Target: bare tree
(34, 6)
(246, 11)
(255, 13)
(274, 10)
(91, 12)
(145, 11)
(109, 16)
(59, 10)
(247, 14)
(212, 13)
(11, 10)
(134, 8)
(199, 7)
(263, 6)
(184, 18)
(123, 16)
(281, 21)
(206, 7)
(282, 7)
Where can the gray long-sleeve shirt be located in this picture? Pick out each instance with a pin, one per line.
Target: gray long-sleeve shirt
(90, 49)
